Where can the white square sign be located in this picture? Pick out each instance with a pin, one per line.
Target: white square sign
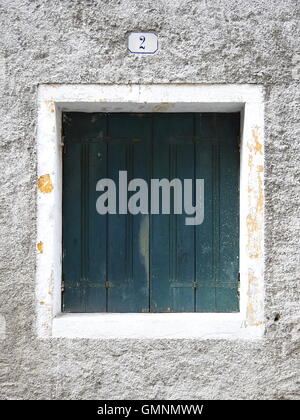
(143, 42)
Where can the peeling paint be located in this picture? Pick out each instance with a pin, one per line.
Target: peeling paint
(255, 145)
(45, 184)
(254, 242)
(251, 224)
(250, 161)
(251, 315)
(51, 105)
(258, 146)
(40, 247)
(260, 196)
(255, 196)
(254, 222)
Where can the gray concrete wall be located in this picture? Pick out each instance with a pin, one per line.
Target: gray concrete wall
(73, 41)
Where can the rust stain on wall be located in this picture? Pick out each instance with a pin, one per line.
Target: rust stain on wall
(251, 315)
(254, 242)
(45, 184)
(251, 223)
(250, 310)
(250, 161)
(260, 196)
(40, 247)
(255, 196)
(254, 227)
(258, 146)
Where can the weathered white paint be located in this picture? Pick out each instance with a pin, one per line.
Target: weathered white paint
(52, 100)
(152, 326)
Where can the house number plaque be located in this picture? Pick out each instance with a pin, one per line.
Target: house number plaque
(143, 42)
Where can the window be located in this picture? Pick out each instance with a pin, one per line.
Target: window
(150, 262)
(53, 102)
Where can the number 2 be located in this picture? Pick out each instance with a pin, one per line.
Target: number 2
(142, 38)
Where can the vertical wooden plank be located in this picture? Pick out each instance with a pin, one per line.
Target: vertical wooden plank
(73, 299)
(96, 231)
(83, 247)
(119, 238)
(162, 227)
(227, 283)
(183, 289)
(216, 214)
(172, 244)
(217, 238)
(205, 292)
(140, 222)
(128, 235)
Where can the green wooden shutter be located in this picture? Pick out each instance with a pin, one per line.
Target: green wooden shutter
(150, 263)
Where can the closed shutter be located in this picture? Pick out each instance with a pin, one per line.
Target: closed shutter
(144, 262)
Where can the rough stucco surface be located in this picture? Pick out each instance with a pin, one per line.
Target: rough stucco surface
(74, 41)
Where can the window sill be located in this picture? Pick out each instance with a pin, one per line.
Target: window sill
(201, 326)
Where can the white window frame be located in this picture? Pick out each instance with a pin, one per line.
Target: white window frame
(52, 100)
